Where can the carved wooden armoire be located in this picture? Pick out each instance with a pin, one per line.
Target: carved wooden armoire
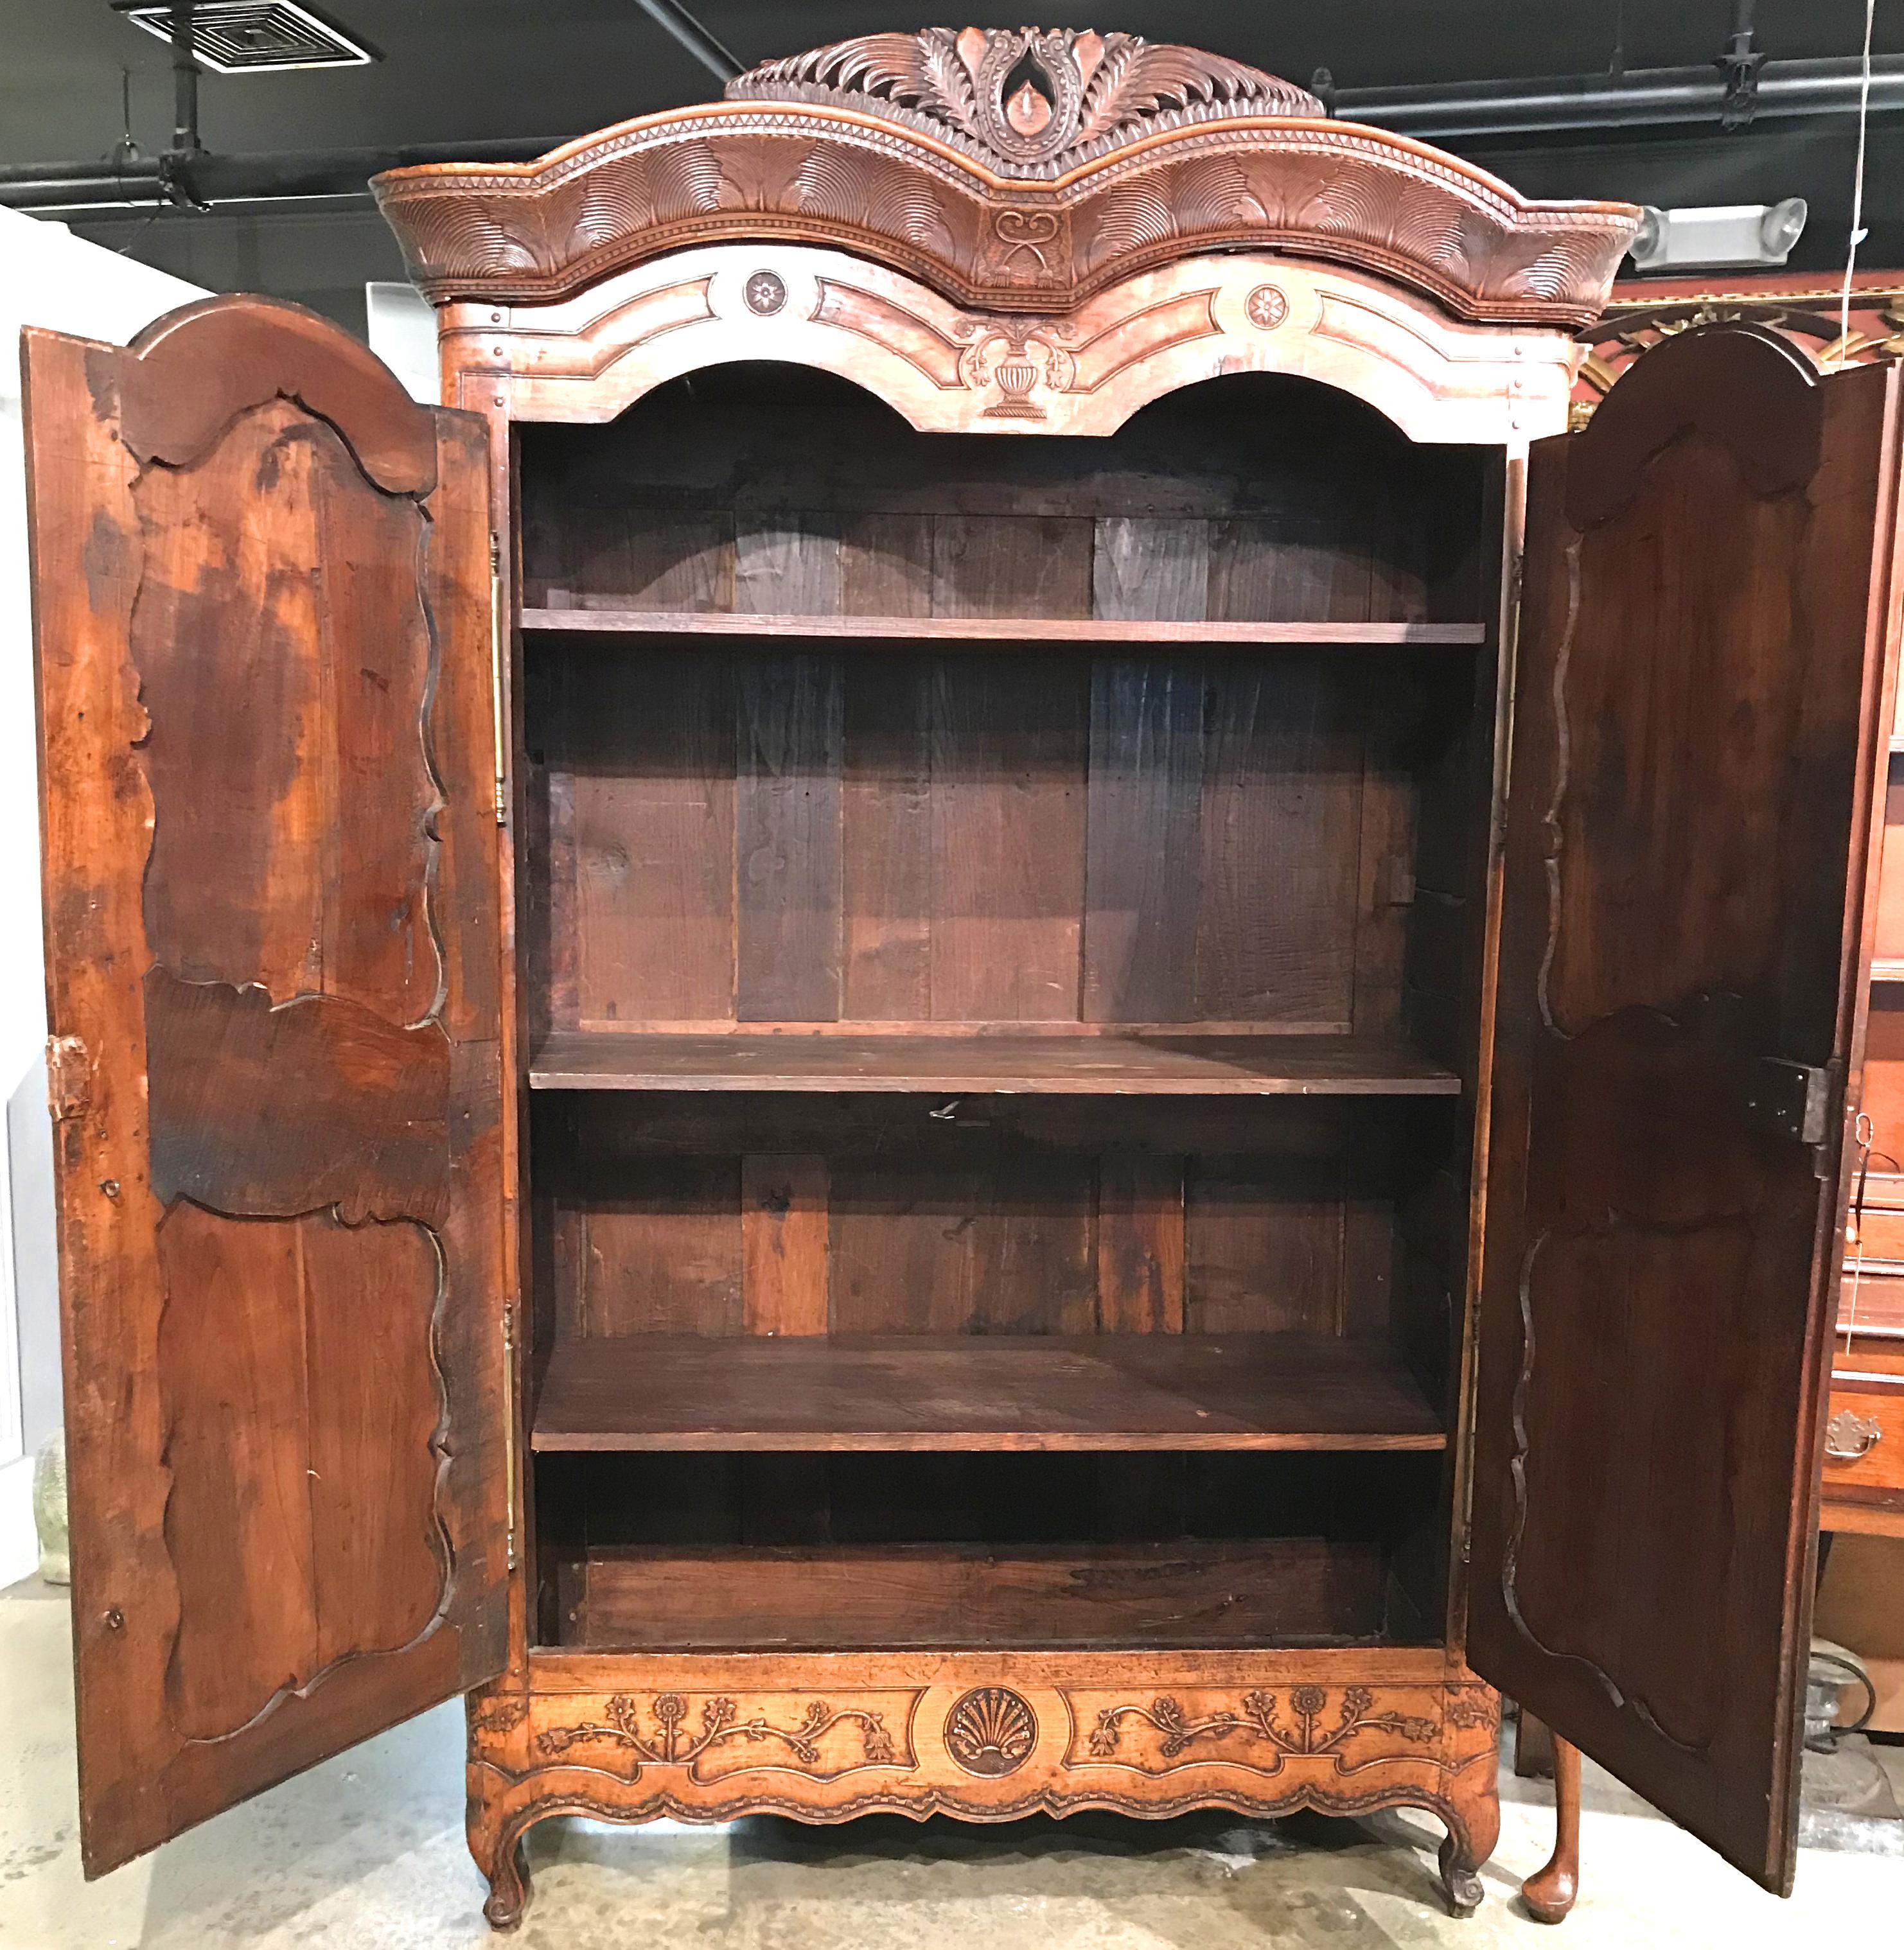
(991, 1003)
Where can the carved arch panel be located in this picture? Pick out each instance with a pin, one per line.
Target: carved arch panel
(948, 369)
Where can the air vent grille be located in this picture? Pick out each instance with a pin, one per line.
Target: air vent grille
(256, 36)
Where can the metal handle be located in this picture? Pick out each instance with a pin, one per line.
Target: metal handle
(1848, 1436)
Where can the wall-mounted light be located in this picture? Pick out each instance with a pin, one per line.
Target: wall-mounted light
(1737, 236)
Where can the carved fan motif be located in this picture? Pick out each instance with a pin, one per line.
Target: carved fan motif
(991, 1730)
(1026, 100)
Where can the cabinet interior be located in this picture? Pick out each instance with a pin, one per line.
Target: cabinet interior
(1001, 931)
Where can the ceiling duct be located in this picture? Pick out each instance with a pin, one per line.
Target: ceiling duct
(255, 36)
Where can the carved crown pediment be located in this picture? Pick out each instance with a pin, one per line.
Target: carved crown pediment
(1026, 102)
(1014, 170)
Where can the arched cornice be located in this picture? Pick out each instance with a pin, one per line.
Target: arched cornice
(1022, 185)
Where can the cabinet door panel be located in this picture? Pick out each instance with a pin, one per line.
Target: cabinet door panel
(276, 988)
(1700, 699)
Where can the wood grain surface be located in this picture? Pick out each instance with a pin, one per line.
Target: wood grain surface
(272, 881)
(1702, 702)
(936, 1391)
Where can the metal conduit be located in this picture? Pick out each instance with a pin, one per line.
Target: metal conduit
(1639, 98)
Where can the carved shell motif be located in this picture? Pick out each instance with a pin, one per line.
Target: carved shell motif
(1027, 101)
(990, 1730)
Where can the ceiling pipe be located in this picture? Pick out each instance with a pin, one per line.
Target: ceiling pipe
(142, 180)
(1638, 99)
(674, 19)
(185, 82)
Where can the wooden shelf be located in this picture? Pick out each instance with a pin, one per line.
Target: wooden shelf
(1890, 969)
(1154, 1391)
(990, 629)
(1164, 1065)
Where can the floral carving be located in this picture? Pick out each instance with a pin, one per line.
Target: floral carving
(1345, 1748)
(1025, 102)
(1305, 1736)
(668, 1740)
(500, 1713)
(1266, 306)
(1471, 1706)
(765, 293)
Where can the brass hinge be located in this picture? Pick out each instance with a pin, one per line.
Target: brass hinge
(69, 1078)
(496, 676)
(509, 1423)
(1512, 659)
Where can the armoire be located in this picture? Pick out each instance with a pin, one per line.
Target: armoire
(993, 1003)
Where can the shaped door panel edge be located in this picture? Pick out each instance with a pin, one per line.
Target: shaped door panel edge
(276, 986)
(1703, 679)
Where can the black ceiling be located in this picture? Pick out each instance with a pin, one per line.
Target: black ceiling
(468, 70)
(458, 70)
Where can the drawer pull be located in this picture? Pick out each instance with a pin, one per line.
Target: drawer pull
(1849, 1435)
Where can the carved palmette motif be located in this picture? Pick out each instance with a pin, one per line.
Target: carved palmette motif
(1017, 169)
(1026, 102)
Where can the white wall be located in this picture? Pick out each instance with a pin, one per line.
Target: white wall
(52, 279)
(401, 326)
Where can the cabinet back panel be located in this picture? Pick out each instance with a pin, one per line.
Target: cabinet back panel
(1281, 1591)
(919, 1550)
(871, 1217)
(763, 489)
(738, 837)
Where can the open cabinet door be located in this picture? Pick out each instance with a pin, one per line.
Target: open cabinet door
(261, 586)
(1697, 711)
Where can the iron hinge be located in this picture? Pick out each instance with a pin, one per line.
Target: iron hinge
(1794, 1100)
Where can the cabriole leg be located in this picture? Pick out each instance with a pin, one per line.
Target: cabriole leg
(1473, 1828)
(497, 1845)
(509, 1887)
(1549, 1893)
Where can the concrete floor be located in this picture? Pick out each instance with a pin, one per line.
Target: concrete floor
(366, 1853)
